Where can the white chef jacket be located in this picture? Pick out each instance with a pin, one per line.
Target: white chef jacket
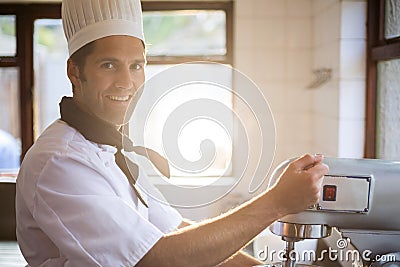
(75, 207)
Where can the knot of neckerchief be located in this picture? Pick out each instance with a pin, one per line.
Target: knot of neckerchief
(98, 131)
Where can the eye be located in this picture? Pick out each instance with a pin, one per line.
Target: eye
(107, 65)
(136, 66)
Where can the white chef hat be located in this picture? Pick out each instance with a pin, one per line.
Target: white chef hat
(85, 21)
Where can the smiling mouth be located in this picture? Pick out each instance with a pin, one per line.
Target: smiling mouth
(119, 98)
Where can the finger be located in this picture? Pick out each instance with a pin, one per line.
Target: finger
(317, 159)
(319, 170)
(306, 161)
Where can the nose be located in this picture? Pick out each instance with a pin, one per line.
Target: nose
(124, 79)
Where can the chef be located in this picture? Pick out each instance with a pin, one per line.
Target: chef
(79, 196)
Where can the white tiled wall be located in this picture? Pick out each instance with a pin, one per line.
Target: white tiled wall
(325, 99)
(273, 46)
(277, 44)
(340, 44)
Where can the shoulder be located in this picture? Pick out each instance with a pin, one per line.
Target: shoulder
(59, 141)
(59, 158)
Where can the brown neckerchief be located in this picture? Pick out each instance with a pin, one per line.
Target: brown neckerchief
(98, 131)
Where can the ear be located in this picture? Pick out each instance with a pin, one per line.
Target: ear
(73, 74)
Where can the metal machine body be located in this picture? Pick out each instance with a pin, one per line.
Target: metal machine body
(360, 198)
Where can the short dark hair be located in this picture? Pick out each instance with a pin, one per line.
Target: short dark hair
(79, 59)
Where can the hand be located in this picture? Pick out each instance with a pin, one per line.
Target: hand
(299, 185)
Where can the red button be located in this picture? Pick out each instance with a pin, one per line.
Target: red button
(329, 193)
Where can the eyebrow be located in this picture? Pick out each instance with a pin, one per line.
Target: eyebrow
(113, 59)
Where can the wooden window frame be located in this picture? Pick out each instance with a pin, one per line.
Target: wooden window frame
(378, 48)
(226, 6)
(26, 14)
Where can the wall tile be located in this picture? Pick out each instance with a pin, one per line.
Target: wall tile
(351, 138)
(244, 33)
(298, 149)
(299, 8)
(327, 56)
(269, 8)
(299, 33)
(270, 32)
(299, 99)
(352, 99)
(331, 23)
(325, 99)
(326, 24)
(316, 30)
(298, 127)
(283, 130)
(280, 126)
(244, 61)
(354, 19)
(294, 134)
(326, 135)
(244, 8)
(352, 58)
(319, 6)
(299, 66)
(275, 94)
(270, 64)
(325, 31)
(318, 23)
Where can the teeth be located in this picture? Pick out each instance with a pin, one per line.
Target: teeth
(118, 98)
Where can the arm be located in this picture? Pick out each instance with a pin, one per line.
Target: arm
(211, 242)
(239, 259)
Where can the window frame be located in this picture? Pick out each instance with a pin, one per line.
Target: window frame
(226, 6)
(378, 49)
(27, 13)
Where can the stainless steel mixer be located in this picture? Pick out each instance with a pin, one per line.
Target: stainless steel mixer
(357, 216)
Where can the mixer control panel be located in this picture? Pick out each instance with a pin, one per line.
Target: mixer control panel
(343, 193)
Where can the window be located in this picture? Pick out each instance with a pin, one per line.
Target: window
(180, 31)
(388, 110)
(10, 134)
(36, 64)
(188, 32)
(392, 20)
(51, 81)
(16, 66)
(8, 44)
(10, 141)
(185, 33)
(176, 118)
(383, 91)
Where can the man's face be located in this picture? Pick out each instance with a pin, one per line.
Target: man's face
(112, 74)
